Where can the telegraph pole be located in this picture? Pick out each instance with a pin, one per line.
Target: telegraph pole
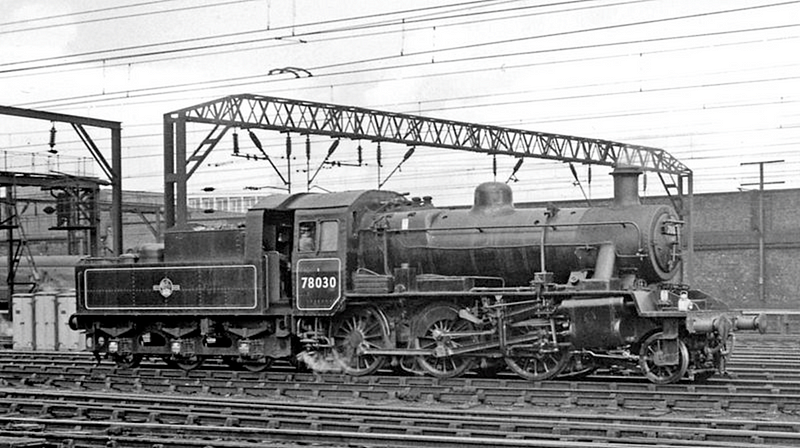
(761, 256)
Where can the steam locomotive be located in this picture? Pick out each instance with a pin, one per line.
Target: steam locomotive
(355, 280)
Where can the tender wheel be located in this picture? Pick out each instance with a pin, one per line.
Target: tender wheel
(128, 361)
(652, 351)
(431, 331)
(186, 362)
(256, 365)
(357, 329)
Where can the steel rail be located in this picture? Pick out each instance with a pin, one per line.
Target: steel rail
(190, 413)
(770, 362)
(747, 367)
(637, 394)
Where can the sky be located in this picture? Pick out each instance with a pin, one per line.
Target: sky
(714, 83)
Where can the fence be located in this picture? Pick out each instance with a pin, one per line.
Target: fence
(40, 163)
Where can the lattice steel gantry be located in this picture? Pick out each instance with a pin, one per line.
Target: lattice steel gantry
(248, 111)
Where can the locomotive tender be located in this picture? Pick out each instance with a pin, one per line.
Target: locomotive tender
(358, 279)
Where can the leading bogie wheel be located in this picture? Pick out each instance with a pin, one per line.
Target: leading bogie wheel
(657, 372)
(357, 329)
(436, 328)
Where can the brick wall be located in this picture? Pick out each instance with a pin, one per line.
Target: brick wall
(726, 263)
(727, 254)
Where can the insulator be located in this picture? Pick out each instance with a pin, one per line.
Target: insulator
(255, 140)
(235, 144)
(574, 172)
(333, 147)
(52, 139)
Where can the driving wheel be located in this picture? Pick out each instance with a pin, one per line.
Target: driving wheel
(439, 328)
(357, 329)
(537, 357)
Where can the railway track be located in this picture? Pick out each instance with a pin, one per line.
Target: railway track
(96, 419)
(752, 359)
(734, 395)
(69, 397)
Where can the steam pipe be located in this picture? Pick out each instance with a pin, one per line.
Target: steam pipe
(606, 256)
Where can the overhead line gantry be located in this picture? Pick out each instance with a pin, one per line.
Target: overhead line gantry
(247, 111)
(112, 170)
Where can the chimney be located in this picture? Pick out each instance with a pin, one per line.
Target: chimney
(626, 186)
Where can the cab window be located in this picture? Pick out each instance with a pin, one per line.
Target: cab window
(307, 238)
(329, 236)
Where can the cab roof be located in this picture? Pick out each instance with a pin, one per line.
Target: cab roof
(306, 201)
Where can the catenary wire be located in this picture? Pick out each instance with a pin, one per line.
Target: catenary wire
(247, 80)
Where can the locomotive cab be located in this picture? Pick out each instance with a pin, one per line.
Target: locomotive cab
(309, 244)
(319, 260)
